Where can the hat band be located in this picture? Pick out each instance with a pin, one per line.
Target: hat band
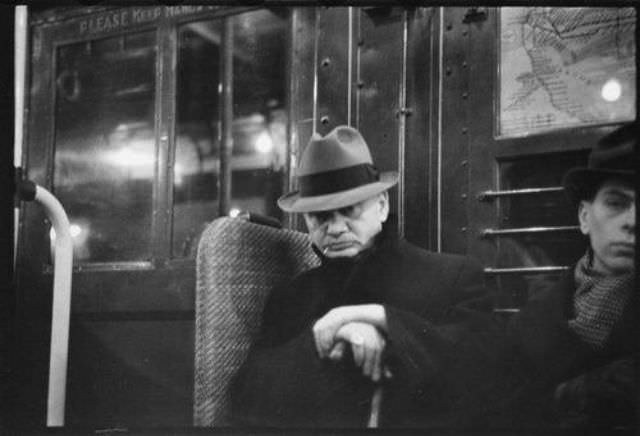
(337, 180)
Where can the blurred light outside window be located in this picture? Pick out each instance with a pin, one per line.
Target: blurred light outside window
(105, 145)
(259, 122)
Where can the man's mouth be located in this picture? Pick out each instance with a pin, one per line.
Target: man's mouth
(624, 248)
(339, 246)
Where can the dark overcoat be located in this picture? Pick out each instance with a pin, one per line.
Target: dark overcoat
(441, 345)
(560, 380)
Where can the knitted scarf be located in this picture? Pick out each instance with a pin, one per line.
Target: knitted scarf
(598, 302)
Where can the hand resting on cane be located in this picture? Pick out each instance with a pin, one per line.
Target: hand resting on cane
(326, 328)
(367, 347)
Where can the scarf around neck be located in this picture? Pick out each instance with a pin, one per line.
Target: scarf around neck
(598, 302)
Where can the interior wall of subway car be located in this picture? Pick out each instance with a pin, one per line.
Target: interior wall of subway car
(148, 123)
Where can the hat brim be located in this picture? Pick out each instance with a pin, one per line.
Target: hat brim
(579, 183)
(293, 202)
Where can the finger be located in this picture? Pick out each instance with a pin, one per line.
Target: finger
(337, 352)
(326, 343)
(358, 352)
(368, 361)
(316, 339)
(375, 376)
(387, 373)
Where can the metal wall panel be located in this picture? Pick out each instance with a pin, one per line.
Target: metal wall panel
(113, 363)
(333, 68)
(301, 92)
(380, 86)
(455, 138)
(421, 169)
(481, 68)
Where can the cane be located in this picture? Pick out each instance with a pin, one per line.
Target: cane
(376, 402)
(376, 399)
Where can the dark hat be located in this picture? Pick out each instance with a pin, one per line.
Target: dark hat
(612, 157)
(336, 171)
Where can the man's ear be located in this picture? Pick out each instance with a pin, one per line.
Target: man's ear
(584, 211)
(383, 204)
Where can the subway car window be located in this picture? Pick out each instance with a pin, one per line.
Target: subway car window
(257, 111)
(105, 146)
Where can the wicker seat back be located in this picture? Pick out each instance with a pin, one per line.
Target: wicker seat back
(238, 264)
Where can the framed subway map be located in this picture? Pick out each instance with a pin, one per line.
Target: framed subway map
(565, 67)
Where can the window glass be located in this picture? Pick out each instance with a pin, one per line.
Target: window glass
(258, 126)
(104, 145)
(196, 168)
(259, 115)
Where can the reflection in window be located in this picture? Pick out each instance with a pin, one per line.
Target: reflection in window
(258, 127)
(547, 209)
(104, 149)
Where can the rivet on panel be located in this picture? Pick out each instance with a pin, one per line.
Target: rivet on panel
(464, 64)
(463, 196)
(464, 130)
(449, 26)
(360, 42)
(324, 120)
(464, 33)
(448, 71)
(465, 95)
(360, 84)
(464, 163)
(463, 229)
(326, 62)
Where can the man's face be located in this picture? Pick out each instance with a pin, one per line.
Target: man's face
(610, 221)
(347, 231)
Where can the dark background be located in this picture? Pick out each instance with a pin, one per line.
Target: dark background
(6, 206)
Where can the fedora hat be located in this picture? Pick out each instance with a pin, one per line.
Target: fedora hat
(612, 157)
(336, 171)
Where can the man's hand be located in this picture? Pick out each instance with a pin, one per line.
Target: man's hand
(325, 329)
(367, 346)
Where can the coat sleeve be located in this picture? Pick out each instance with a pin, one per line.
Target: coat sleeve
(540, 334)
(283, 380)
(454, 355)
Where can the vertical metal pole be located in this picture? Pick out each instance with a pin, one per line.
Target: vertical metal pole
(402, 125)
(439, 130)
(316, 32)
(226, 148)
(61, 311)
(350, 67)
(20, 61)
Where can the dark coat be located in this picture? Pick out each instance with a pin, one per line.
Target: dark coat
(441, 345)
(597, 388)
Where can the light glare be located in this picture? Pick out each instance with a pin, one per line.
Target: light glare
(264, 144)
(611, 90)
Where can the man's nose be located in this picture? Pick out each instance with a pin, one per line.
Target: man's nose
(336, 224)
(629, 219)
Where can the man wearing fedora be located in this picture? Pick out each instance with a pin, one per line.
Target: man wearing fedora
(377, 311)
(577, 341)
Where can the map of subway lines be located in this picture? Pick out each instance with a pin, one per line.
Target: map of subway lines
(555, 61)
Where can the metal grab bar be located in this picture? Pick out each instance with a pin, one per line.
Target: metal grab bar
(499, 232)
(61, 307)
(490, 195)
(526, 270)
